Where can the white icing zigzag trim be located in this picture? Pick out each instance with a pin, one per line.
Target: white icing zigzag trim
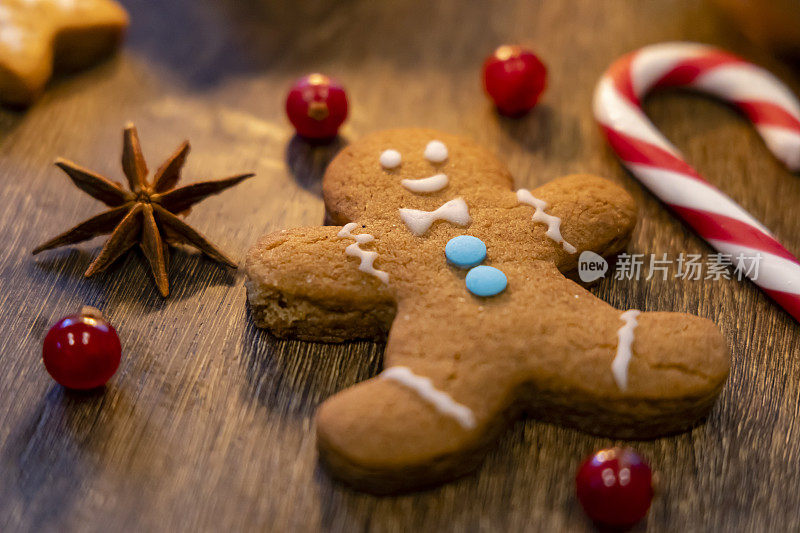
(367, 257)
(454, 211)
(441, 401)
(432, 184)
(624, 347)
(553, 223)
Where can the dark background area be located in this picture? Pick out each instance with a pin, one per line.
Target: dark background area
(209, 422)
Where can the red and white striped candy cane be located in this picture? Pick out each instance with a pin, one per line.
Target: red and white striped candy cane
(645, 152)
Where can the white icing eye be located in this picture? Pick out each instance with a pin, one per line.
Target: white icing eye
(436, 152)
(390, 158)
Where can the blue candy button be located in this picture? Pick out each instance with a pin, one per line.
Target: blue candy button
(465, 251)
(486, 281)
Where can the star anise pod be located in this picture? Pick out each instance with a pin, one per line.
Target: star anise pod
(144, 215)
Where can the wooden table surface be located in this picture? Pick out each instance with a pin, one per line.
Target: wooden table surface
(208, 425)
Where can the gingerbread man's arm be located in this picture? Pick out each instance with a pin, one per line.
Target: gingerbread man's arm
(301, 283)
(591, 213)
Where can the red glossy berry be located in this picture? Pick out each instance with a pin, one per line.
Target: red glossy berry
(316, 106)
(82, 351)
(514, 78)
(615, 487)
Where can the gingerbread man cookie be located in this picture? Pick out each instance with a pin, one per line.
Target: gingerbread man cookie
(37, 36)
(465, 274)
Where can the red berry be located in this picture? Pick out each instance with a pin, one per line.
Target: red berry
(82, 351)
(514, 78)
(316, 106)
(615, 487)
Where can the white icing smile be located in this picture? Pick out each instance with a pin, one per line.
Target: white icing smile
(421, 186)
(441, 401)
(367, 257)
(553, 223)
(624, 348)
(455, 211)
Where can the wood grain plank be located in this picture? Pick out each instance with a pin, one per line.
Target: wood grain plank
(209, 423)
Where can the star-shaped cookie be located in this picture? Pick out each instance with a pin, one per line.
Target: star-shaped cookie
(40, 36)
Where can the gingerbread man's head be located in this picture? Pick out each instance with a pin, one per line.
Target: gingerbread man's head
(471, 347)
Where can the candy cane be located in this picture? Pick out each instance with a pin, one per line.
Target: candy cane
(647, 154)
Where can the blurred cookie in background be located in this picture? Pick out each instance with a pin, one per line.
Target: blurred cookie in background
(38, 37)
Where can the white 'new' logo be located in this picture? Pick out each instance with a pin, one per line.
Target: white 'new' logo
(591, 266)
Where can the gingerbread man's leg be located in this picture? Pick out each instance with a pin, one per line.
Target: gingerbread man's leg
(301, 284)
(434, 410)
